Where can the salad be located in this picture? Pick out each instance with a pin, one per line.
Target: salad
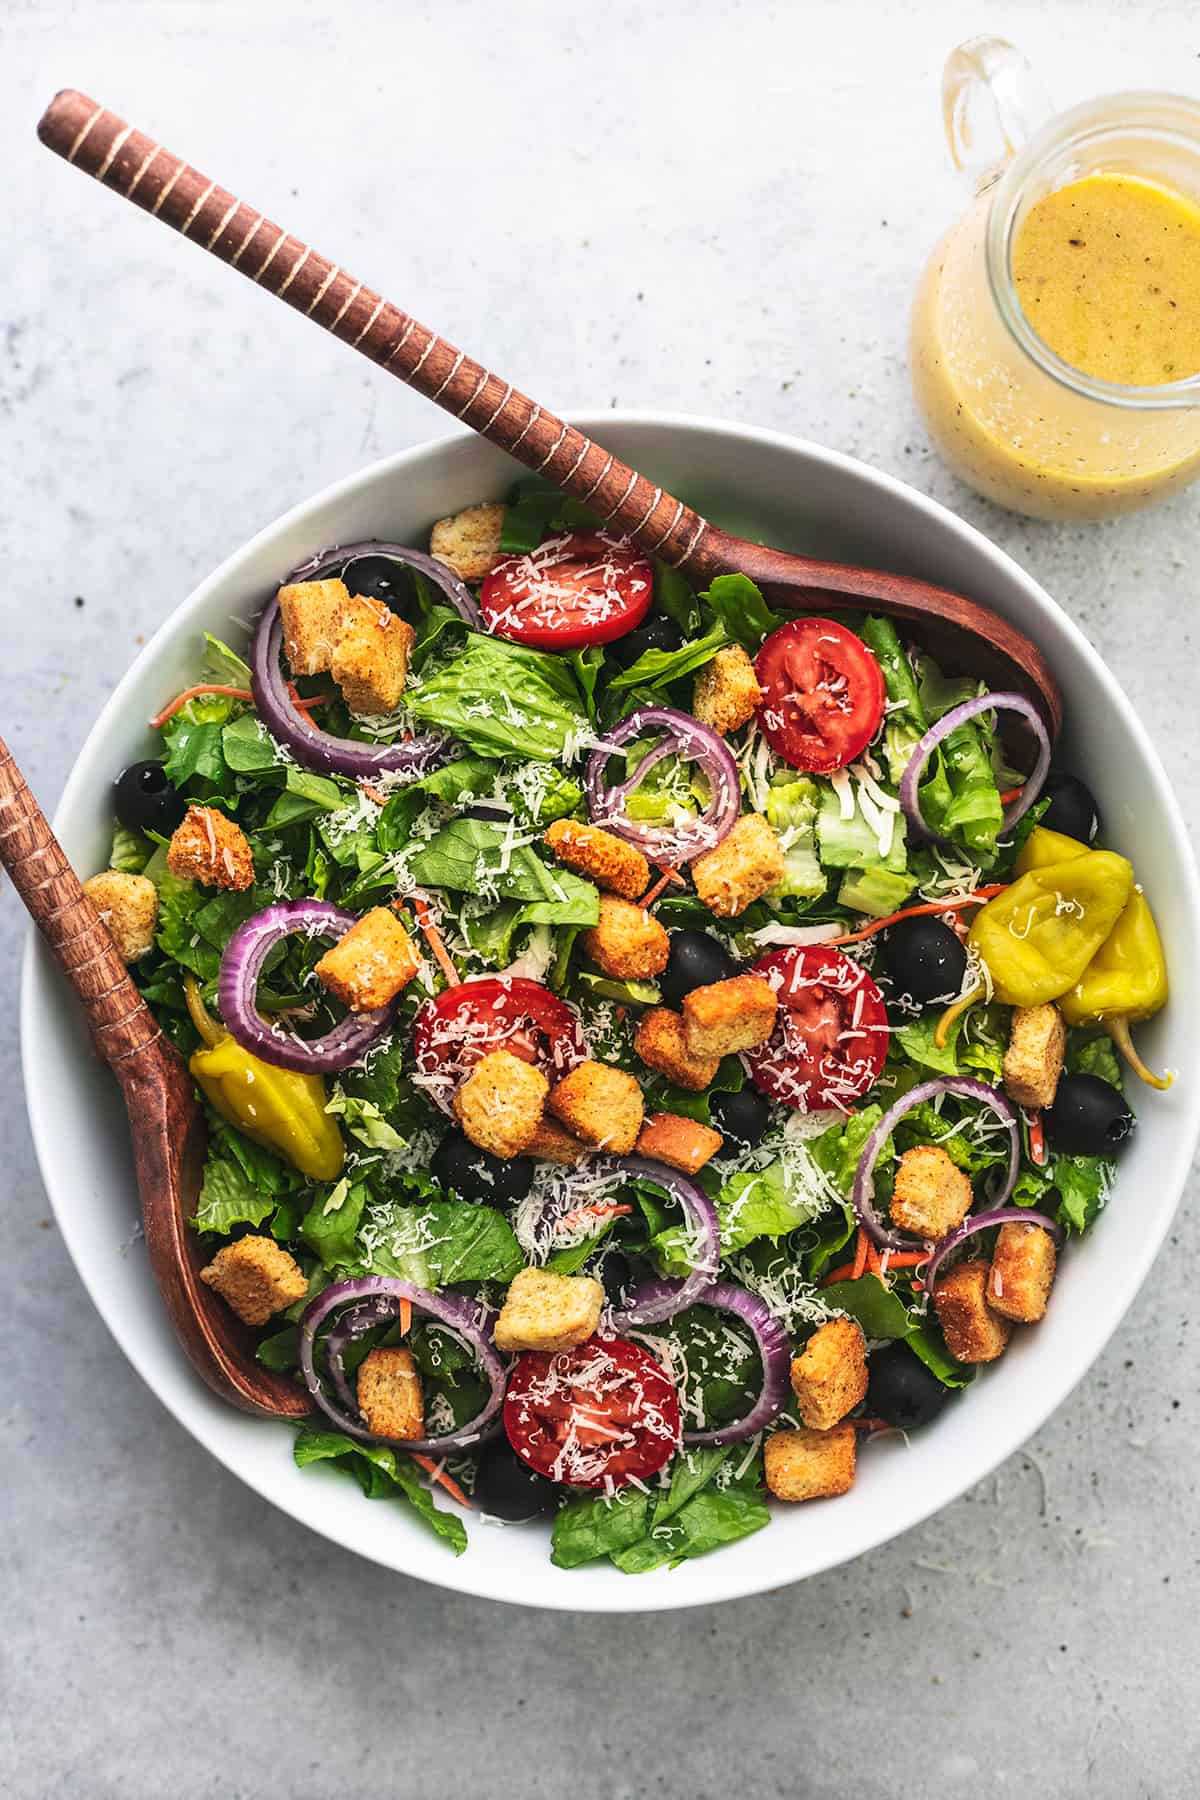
(650, 1045)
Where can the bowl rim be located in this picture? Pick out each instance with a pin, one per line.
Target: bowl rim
(915, 1503)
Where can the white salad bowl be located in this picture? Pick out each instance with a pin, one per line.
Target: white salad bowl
(802, 497)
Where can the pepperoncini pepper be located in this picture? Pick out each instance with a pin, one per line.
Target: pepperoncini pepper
(1125, 981)
(1040, 934)
(1044, 846)
(280, 1109)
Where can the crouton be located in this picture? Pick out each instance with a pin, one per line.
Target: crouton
(930, 1196)
(600, 856)
(729, 1015)
(389, 1394)
(469, 542)
(829, 1377)
(974, 1333)
(550, 1143)
(683, 1143)
(628, 943)
(1033, 1062)
(499, 1105)
(742, 867)
(369, 965)
(370, 658)
(810, 1465)
(256, 1277)
(601, 1105)
(1022, 1272)
(209, 848)
(312, 613)
(660, 1043)
(542, 1311)
(128, 905)
(727, 691)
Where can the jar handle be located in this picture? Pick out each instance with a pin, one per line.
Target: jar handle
(991, 103)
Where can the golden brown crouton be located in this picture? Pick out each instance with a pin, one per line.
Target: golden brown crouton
(729, 1015)
(370, 658)
(369, 965)
(727, 691)
(128, 905)
(1037, 1043)
(208, 847)
(829, 1377)
(389, 1394)
(684, 1143)
(973, 1332)
(660, 1043)
(1022, 1272)
(499, 1105)
(256, 1277)
(600, 856)
(312, 617)
(742, 867)
(810, 1465)
(601, 1105)
(550, 1143)
(548, 1312)
(628, 943)
(469, 542)
(931, 1195)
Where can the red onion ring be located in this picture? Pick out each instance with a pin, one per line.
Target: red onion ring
(470, 1320)
(1007, 702)
(683, 736)
(334, 560)
(772, 1342)
(927, 1090)
(1003, 1215)
(237, 987)
(701, 1216)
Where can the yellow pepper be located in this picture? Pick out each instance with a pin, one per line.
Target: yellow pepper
(1125, 981)
(1042, 847)
(1040, 934)
(281, 1109)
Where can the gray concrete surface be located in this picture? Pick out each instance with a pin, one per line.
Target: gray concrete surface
(714, 206)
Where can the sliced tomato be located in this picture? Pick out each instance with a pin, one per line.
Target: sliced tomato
(823, 694)
(452, 1032)
(831, 1031)
(600, 1415)
(580, 588)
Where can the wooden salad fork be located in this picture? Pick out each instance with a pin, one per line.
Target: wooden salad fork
(124, 159)
(165, 1120)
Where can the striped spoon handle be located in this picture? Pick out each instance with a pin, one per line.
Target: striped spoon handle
(122, 158)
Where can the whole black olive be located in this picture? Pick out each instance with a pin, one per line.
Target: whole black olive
(696, 960)
(1089, 1117)
(741, 1118)
(1072, 809)
(901, 1390)
(462, 1168)
(507, 1489)
(146, 800)
(658, 633)
(615, 1275)
(925, 960)
(380, 578)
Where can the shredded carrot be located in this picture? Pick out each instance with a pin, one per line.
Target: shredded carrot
(602, 1210)
(873, 1263)
(860, 1254)
(433, 938)
(919, 912)
(405, 1317)
(216, 687)
(440, 1476)
(853, 1271)
(372, 792)
(668, 878)
(1037, 1139)
(905, 1259)
(955, 1011)
(1011, 794)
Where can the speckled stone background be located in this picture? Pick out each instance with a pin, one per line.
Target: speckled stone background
(704, 204)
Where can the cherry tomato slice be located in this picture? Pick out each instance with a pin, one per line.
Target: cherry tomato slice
(580, 588)
(823, 694)
(452, 1032)
(596, 1416)
(831, 1033)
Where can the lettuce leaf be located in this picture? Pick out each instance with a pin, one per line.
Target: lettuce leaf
(469, 857)
(658, 668)
(501, 699)
(383, 1474)
(737, 606)
(242, 1183)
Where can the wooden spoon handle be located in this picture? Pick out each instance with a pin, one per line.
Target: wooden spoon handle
(121, 1022)
(122, 158)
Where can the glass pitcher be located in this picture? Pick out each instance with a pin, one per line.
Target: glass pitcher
(1009, 414)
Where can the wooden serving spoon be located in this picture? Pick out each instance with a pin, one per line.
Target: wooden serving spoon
(963, 634)
(165, 1119)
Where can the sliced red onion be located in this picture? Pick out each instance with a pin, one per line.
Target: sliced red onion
(317, 749)
(966, 1089)
(455, 591)
(237, 989)
(772, 1342)
(469, 1320)
(701, 1217)
(1003, 1215)
(683, 736)
(910, 799)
